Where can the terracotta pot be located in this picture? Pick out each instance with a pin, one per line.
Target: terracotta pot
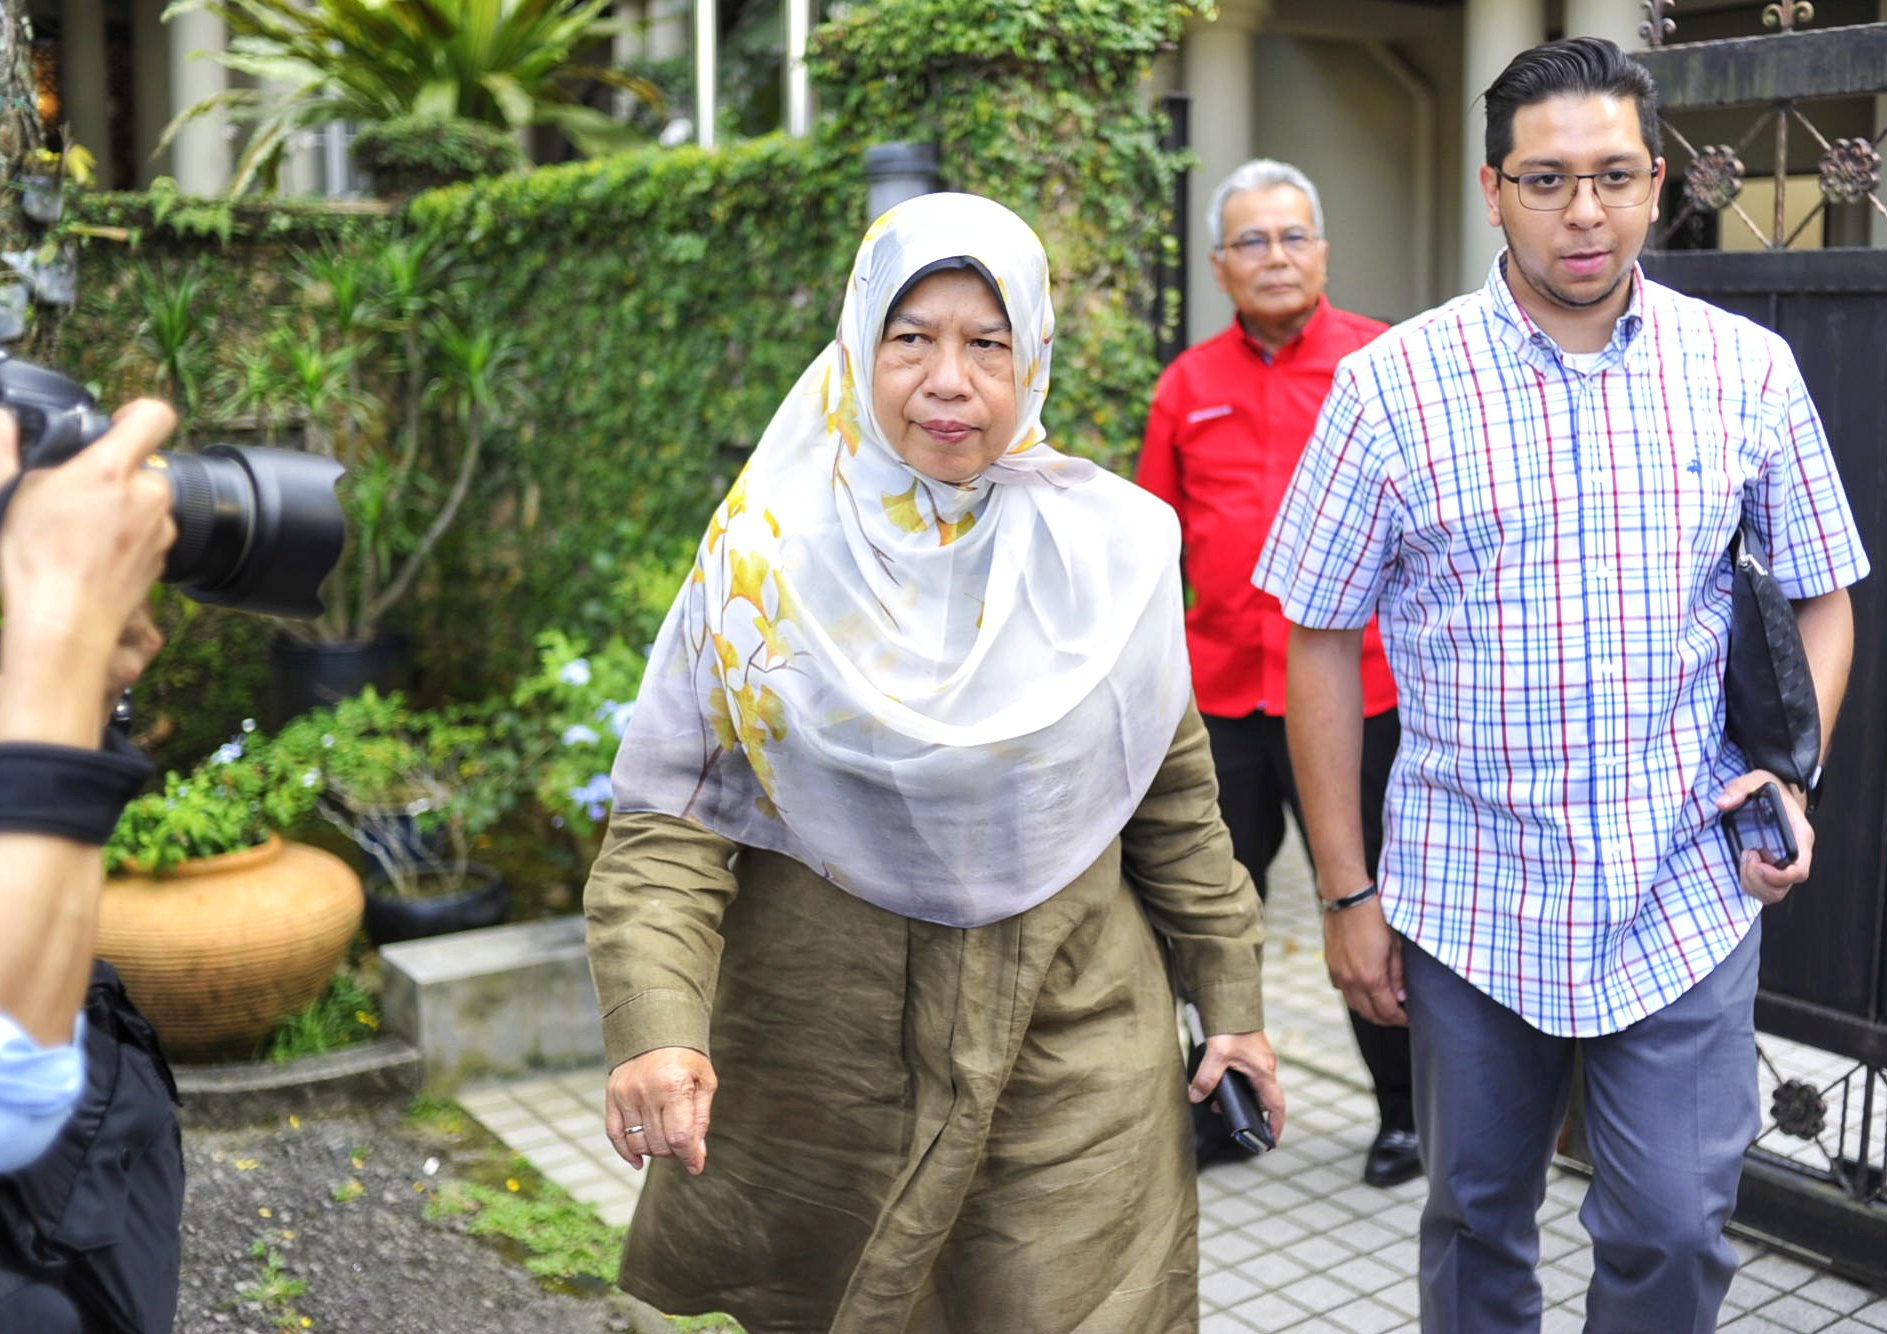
(220, 950)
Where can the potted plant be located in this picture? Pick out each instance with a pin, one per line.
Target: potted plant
(414, 789)
(43, 174)
(388, 368)
(219, 926)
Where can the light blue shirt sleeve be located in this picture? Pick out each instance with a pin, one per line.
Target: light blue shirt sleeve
(39, 1086)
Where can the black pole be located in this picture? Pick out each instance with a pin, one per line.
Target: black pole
(1170, 275)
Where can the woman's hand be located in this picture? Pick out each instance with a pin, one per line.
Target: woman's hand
(1250, 1053)
(656, 1106)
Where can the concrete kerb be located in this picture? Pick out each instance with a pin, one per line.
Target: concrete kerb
(494, 1003)
(499, 1002)
(386, 1069)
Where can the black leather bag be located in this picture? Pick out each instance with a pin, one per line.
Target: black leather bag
(1768, 692)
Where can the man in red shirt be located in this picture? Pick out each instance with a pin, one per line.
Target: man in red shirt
(1228, 421)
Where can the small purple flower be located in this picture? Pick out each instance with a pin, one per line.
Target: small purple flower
(227, 753)
(618, 716)
(597, 792)
(579, 735)
(576, 672)
(596, 810)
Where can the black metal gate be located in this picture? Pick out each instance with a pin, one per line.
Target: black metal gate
(1817, 1177)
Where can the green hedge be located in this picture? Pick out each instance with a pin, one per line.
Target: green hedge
(666, 299)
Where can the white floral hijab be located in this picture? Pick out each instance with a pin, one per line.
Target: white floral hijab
(946, 699)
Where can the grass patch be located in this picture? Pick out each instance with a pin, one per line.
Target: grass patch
(560, 1237)
(275, 1292)
(344, 1014)
(431, 1115)
(497, 1195)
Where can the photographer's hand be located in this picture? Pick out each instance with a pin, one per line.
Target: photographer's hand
(80, 546)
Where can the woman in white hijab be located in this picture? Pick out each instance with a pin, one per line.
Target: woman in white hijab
(913, 797)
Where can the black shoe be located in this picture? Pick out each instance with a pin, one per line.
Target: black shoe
(1393, 1158)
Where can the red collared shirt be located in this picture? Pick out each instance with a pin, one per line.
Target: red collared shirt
(1223, 438)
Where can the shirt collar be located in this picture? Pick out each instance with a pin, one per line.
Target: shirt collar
(1312, 328)
(1536, 347)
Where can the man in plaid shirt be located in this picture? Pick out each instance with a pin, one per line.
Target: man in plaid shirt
(1533, 488)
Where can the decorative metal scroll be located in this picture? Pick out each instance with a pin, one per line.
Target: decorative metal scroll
(1779, 72)
(1827, 1118)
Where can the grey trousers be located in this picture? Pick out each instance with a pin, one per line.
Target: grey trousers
(1671, 1104)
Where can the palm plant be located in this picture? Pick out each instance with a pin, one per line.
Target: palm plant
(174, 337)
(507, 63)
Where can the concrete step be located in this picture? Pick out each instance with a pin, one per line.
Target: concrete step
(493, 1003)
(243, 1093)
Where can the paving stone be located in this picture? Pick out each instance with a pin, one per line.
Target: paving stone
(1402, 1256)
(1404, 1296)
(1366, 1316)
(1228, 1248)
(1276, 1233)
(1319, 1251)
(1274, 1270)
(1227, 1288)
(1366, 1274)
(1235, 1211)
(1317, 1293)
(1272, 1314)
(1779, 1271)
(1562, 1320)
(556, 1155)
(1836, 1292)
(1754, 1324)
(1793, 1311)
(617, 1215)
(1559, 1284)
(1748, 1293)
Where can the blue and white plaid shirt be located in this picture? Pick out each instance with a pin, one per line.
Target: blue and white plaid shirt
(1545, 548)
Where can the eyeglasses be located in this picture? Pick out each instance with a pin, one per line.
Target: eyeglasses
(1256, 245)
(1553, 191)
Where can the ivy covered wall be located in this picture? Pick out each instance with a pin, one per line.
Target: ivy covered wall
(663, 301)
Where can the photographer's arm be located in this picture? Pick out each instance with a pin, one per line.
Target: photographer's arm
(80, 546)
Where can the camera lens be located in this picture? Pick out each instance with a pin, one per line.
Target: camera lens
(258, 529)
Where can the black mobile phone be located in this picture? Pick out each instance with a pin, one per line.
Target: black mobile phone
(1246, 1120)
(1762, 823)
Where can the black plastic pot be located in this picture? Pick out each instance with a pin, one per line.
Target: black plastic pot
(483, 902)
(307, 676)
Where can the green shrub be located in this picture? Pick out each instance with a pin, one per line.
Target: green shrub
(414, 153)
(342, 1015)
(664, 300)
(234, 799)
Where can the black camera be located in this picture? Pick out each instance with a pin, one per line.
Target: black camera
(258, 529)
